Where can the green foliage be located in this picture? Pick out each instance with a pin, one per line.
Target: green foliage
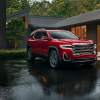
(12, 6)
(15, 33)
(57, 8)
(64, 8)
(16, 5)
(12, 54)
(40, 8)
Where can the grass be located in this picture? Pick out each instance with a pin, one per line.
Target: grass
(12, 54)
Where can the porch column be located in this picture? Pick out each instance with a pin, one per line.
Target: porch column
(25, 19)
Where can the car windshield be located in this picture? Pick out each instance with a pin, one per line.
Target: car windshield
(63, 35)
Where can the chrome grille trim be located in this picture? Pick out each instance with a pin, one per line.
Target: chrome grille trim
(83, 49)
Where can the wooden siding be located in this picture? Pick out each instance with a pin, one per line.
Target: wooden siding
(80, 31)
(98, 37)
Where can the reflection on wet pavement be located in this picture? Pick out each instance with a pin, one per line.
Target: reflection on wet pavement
(21, 80)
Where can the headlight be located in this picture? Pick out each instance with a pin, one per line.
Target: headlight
(66, 46)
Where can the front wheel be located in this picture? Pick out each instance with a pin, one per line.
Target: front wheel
(54, 59)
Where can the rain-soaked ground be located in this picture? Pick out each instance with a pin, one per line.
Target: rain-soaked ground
(21, 80)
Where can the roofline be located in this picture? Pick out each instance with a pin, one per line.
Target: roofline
(83, 14)
(17, 14)
(87, 22)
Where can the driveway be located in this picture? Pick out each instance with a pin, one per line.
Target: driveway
(21, 80)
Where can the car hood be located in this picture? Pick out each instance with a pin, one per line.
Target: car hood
(75, 41)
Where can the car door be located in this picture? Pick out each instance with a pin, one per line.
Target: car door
(36, 42)
(44, 43)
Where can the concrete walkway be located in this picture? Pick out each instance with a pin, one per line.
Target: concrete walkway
(98, 56)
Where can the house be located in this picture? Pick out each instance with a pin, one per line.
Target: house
(85, 26)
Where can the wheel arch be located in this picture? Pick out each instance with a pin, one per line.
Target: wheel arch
(54, 48)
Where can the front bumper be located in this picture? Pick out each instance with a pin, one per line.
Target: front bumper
(84, 60)
(79, 58)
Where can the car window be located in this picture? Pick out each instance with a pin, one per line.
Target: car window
(44, 34)
(63, 35)
(39, 35)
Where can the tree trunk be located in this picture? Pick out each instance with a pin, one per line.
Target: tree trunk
(2, 23)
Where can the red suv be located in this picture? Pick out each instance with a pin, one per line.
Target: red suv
(60, 45)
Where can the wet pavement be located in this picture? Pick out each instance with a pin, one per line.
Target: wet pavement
(21, 80)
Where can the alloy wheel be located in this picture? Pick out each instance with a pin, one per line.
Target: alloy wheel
(53, 59)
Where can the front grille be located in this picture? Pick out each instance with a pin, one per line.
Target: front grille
(83, 49)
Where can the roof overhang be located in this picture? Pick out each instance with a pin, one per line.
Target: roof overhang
(80, 19)
(18, 14)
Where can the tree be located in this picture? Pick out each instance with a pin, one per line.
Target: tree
(40, 8)
(24, 4)
(68, 8)
(15, 33)
(57, 8)
(98, 4)
(16, 5)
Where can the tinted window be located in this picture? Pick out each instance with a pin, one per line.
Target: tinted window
(63, 35)
(39, 35)
(44, 34)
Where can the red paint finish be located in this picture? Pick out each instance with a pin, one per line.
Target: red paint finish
(73, 47)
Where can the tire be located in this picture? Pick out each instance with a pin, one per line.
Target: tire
(30, 56)
(54, 61)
